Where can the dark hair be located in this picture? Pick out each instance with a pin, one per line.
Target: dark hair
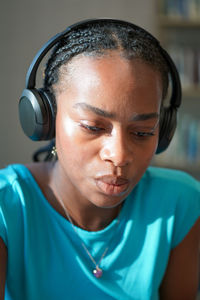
(96, 39)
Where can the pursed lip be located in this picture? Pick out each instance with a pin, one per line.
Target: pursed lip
(112, 185)
(116, 180)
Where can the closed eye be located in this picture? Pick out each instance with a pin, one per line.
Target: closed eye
(144, 134)
(99, 130)
(92, 129)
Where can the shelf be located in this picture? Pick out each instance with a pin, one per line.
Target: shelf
(178, 22)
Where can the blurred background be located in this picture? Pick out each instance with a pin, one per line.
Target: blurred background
(26, 25)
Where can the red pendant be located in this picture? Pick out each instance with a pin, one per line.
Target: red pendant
(97, 272)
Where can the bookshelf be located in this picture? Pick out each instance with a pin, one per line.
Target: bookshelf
(178, 24)
(184, 10)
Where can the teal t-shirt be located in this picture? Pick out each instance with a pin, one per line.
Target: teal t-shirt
(46, 259)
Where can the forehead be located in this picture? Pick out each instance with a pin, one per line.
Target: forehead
(111, 81)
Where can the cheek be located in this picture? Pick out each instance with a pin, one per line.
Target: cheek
(71, 144)
(66, 127)
(147, 151)
(65, 137)
(154, 143)
(152, 148)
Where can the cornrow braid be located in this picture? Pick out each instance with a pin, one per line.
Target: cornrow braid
(96, 39)
(82, 41)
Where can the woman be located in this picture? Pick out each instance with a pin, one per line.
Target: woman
(98, 221)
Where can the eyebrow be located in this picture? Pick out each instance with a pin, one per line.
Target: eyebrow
(96, 110)
(106, 114)
(144, 117)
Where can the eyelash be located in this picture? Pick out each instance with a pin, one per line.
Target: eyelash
(96, 130)
(144, 134)
(93, 129)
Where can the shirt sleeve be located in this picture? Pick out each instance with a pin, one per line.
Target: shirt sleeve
(187, 209)
(3, 226)
(6, 195)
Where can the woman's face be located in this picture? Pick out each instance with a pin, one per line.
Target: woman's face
(106, 126)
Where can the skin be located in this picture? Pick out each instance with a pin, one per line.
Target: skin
(102, 110)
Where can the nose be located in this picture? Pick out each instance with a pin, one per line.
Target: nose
(117, 149)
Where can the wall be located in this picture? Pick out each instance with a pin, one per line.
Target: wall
(25, 26)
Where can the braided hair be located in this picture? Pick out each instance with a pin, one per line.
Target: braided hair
(97, 39)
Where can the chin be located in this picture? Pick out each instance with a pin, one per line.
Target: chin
(104, 201)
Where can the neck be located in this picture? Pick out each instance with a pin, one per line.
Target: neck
(83, 213)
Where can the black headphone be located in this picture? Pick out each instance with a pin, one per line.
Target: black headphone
(37, 108)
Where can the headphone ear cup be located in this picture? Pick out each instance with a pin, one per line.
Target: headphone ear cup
(37, 114)
(168, 122)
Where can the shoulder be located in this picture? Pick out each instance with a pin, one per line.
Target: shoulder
(169, 175)
(171, 190)
(11, 174)
(18, 188)
(11, 197)
(16, 181)
(176, 196)
(19, 183)
(13, 179)
(166, 193)
(168, 180)
(21, 174)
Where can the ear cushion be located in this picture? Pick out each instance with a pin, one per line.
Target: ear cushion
(37, 114)
(168, 122)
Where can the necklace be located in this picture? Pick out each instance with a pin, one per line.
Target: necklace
(97, 272)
